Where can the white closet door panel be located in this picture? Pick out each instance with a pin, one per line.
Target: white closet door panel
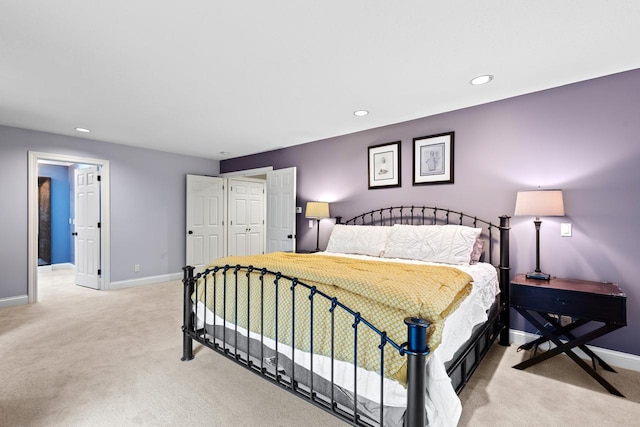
(205, 220)
(281, 210)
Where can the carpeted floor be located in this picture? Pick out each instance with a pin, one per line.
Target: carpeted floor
(556, 392)
(81, 357)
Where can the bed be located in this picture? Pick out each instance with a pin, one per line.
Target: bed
(383, 328)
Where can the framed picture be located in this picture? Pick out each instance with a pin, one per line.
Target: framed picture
(433, 159)
(384, 165)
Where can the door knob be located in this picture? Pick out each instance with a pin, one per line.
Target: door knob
(74, 234)
(290, 236)
(190, 232)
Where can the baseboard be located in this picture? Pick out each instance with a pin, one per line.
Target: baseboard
(612, 357)
(13, 301)
(145, 281)
(61, 266)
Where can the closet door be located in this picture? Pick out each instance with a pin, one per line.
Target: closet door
(246, 216)
(281, 210)
(205, 220)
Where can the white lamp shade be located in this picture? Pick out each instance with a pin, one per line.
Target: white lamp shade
(539, 203)
(317, 210)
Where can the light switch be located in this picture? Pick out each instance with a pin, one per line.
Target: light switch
(298, 209)
(565, 229)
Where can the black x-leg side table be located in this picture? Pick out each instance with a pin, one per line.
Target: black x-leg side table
(582, 301)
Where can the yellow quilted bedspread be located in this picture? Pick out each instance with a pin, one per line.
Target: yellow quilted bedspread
(383, 293)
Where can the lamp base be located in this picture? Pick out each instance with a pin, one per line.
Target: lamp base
(538, 275)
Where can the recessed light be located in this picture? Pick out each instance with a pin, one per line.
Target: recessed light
(360, 113)
(480, 80)
(85, 130)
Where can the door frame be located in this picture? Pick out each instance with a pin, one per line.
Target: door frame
(32, 217)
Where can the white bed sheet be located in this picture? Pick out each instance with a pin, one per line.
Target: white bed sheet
(443, 405)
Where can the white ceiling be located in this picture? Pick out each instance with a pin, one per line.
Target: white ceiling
(201, 77)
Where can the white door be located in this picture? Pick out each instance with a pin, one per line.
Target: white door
(246, 216)
(87, 227)
(281, 210)
(205, 220)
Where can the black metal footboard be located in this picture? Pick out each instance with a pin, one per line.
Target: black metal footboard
(249, 349)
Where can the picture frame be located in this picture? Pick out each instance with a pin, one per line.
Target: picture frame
(384, 165)
(433, 159)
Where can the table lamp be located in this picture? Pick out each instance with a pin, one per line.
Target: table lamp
(317, 211)
(539, 203)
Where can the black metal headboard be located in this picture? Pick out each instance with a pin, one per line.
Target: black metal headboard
(431, 215)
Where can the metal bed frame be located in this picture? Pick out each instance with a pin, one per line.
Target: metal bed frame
(251, 354)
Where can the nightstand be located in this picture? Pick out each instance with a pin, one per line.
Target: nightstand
(582, 301)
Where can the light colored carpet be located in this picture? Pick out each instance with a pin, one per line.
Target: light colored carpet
(556, 392)
(81, 357)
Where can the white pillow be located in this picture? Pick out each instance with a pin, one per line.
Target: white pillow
(358, 239)
(450, 244)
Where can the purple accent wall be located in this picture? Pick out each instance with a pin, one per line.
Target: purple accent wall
(583, 138)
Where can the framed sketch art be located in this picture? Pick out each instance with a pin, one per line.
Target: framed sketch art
(433, 159)
(384, 165)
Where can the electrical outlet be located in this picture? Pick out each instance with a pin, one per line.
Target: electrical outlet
(136, 268)
(565, 320)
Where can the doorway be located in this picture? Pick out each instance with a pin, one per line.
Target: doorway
(259, 219)
(33, 216)
(281, 207)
